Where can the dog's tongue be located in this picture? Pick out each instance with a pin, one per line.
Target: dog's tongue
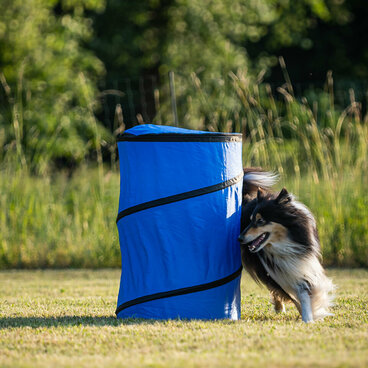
(258, 241)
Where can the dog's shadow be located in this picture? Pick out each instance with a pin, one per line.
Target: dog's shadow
(265, 318)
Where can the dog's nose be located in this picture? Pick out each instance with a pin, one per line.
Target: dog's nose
(240, 239)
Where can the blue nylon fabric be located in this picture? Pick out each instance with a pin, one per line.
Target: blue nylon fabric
(152, 170)
(190, 240)
(185, 243)
(217, 303)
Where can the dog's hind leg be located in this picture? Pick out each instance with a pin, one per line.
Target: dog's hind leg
(303, 293)
(277, 303)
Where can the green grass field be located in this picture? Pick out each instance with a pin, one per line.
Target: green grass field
(66, 318)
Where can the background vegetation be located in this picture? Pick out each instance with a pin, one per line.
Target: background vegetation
(62, 64)
(48, 82)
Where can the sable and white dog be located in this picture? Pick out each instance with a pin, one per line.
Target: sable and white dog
(280, 247)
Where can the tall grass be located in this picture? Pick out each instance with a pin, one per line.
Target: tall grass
(57, 221)
(319, 148)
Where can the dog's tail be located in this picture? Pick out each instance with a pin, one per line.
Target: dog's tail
(254, 178)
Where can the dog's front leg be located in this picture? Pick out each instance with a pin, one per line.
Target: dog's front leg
(305, 302)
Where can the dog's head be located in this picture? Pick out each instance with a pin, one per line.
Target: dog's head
(277, 224)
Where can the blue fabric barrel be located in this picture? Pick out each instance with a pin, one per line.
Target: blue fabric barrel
(178, 223)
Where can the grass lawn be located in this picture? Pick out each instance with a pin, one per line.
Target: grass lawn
(66, 318)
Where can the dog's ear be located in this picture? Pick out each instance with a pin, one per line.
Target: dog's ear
(283, 197)
(260, 194)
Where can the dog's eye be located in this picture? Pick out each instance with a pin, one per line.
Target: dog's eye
(260, 221)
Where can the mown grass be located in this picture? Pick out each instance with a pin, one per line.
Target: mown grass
(66, 318)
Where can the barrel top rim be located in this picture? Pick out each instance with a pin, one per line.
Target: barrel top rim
(179, 137)
(161, 133)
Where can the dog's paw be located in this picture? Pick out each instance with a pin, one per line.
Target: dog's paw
(308, 319)
(279, 307)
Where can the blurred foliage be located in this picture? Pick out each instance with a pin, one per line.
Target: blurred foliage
(129, 36)
(209, 38)
(73, 223)
(332, 43)
(203, 40)
(320, 152)
(55, 54)
(70, 225)
(49, 81)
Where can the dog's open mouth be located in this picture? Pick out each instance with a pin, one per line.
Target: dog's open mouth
(255, 244)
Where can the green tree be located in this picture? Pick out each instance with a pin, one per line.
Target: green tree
(214, 38)
(314, 37)
(49, 81)
(202, 41)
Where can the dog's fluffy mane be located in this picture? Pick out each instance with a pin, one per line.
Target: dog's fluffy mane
(300, 260)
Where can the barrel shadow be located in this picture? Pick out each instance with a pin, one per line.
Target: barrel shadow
(37, 322)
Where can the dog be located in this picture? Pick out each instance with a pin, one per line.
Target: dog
(280, 247)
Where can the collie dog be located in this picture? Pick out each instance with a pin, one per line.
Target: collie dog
(280, 247)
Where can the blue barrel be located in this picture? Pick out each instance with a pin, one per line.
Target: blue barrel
(178, 223)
